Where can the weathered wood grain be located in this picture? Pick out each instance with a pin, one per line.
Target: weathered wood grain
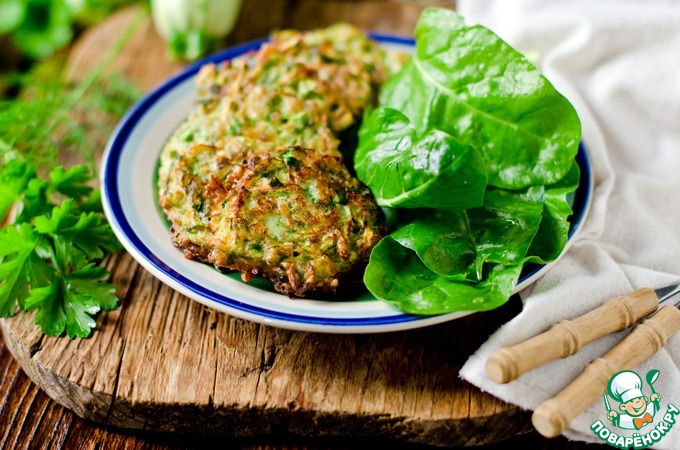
(29, 419)
(164, 362)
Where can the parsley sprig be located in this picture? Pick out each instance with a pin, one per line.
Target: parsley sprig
(48, 254)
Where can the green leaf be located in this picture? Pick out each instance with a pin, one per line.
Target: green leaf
(46, 260)
(61, 217)
(71, 290)
(512, 228)
(51, 315)
(72, 182)
(403, 280)
(93, 235)
(88, 282)
(11, 15)
(553, 232)
(35, 201)
(505, 226)
(442, 240)
(93, 203)
(16, 239)
(46, 28)
(20, 268)
(86, 295)
(77, 237)
(406, 170)
(49, 268)
(38, 196)
(467, 82)
(70, 302)
(464, 88)
(14, 180)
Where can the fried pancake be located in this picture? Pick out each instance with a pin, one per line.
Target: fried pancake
(296, 217)
(299, 89)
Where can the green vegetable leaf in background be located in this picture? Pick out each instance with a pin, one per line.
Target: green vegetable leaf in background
(467, 82)
(89, 12)
(11, 14)
(411, 171)
(41, 27)
(72, 182)
(54, 117)
(45, 28)
(472, 91)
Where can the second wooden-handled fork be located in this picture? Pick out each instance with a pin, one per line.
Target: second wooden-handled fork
(565, 338)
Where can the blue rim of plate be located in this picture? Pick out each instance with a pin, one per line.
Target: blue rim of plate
(113, 206)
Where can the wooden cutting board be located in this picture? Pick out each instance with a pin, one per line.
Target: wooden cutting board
(163, 362)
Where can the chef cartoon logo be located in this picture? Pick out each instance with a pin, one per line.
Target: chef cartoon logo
(635, 410)
(629, 408)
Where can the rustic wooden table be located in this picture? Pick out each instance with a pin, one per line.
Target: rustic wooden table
(123, 351)
(29, 419)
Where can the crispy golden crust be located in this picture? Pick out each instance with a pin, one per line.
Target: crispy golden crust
(196, 179)
(296, 217)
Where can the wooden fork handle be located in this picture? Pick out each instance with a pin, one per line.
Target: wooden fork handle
(568, 336)
(554, 416)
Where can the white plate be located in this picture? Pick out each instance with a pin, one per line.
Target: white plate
(128, 179)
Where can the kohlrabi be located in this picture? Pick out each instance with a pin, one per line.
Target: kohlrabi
(193, 27)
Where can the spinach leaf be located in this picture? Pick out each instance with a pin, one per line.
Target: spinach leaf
(442, 240)
(480, 148)
(467, 82)
(553, 232)
(435, 257)
(402, 279)
(409, 170)
(505, 226)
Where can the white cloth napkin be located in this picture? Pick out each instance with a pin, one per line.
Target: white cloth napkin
(618, 61)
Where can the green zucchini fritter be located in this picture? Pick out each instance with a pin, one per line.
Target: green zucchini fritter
(235, 182)
(299, 89)
(298, 218)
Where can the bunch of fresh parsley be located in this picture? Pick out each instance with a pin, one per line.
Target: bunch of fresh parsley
(53, 233)
(48, 254)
